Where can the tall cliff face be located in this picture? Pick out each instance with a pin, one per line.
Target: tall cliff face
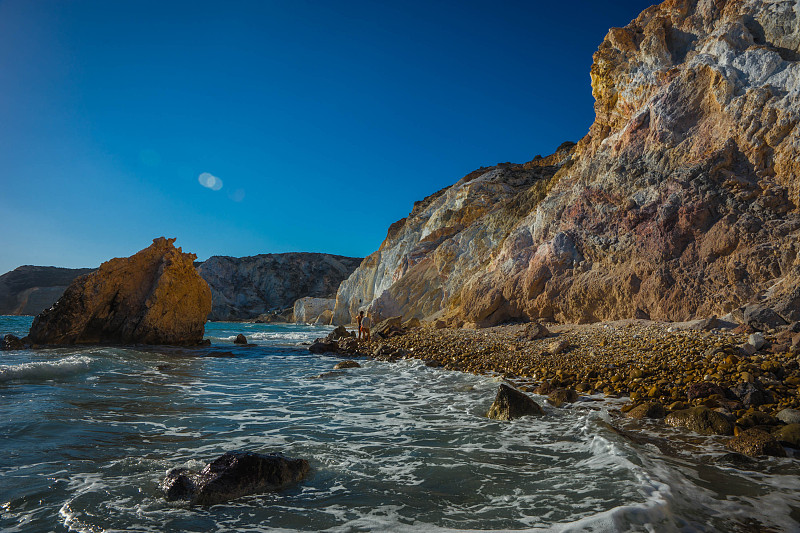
(681, 201)
(245, 287)
(29, 290)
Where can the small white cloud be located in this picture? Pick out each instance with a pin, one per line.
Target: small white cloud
(210, 181)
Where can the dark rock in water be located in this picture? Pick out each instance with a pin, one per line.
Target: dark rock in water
(701, 420)
(510, 404)
(346, 364)
(329, 375)
(559, 397)
(233, 475)
(12, 342)
(647, 410)
(703, 390)
(240, 339)
(324, 346)
(153, 297)
(736, 459)
(754, 442)
(751, 394)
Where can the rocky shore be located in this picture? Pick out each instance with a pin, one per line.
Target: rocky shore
(711, 381)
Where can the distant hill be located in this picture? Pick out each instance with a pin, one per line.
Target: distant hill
(241, 287)
(29, 290)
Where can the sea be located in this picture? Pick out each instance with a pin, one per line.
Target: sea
(88, 433)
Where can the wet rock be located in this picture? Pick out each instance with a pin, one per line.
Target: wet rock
(510, 404)
(233, 475)
(153, 297)
(544, 388)
(751, 394)
(559, 397)
(754, 442)
(647, 410)
(703, 390)
(324, 346)
(12, 342)
(789, 416)
(788, 435)
(735, 459)
(700, 420)
(346, 364)
(240, 339)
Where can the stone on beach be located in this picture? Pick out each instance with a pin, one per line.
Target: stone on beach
(647, 410)
(754, 442)
(510, 404)
(153, 297)
(700, 420)
(233, 475)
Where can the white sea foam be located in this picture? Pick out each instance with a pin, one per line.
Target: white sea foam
(46, 370)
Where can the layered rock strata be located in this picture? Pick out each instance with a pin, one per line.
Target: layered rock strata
(246, 287)
(681, 201)
(153, 297)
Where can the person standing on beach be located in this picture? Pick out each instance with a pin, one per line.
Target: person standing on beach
(365, 324)
(359, 318)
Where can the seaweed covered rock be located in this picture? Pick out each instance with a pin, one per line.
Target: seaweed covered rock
(233, 475)
(153, 297)
(754, 442)
(510, 404)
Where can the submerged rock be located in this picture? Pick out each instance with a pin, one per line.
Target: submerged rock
(153, 297)
(233, 475)
(12, 342)
(346, 364)
(510, 404)
(701, 420)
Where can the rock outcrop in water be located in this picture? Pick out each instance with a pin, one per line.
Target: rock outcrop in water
(29, 290)
(233, 475)
(153, 297)
(246, 287)
(681, 201)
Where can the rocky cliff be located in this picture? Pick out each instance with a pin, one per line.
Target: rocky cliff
(29, 290)
(246, 287)
(681, 201)
(153, 297)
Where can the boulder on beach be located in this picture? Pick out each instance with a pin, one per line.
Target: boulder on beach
(233, 475)
(754, 442)
(510, 404)
(647, 410)
(153, 297)
(700, 420)
(559, 397)
(388, 328)
(788, 435)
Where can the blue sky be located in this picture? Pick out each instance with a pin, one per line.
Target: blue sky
(323, 121)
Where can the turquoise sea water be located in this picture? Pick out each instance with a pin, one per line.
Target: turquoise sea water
(86, 435)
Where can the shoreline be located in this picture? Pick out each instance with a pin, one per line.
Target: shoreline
(674, 366)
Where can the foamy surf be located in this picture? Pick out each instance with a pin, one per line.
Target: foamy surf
(46, 370)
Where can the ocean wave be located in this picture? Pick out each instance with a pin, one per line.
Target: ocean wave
(45, 370)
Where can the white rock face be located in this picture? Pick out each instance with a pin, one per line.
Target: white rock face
(307, 310)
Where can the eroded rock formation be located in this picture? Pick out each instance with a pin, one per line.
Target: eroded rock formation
(153, 297)
(680, 202)
(246, 287)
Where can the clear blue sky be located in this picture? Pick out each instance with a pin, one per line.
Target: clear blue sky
(324, 121)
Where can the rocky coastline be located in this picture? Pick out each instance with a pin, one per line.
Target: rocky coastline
(703, 376)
